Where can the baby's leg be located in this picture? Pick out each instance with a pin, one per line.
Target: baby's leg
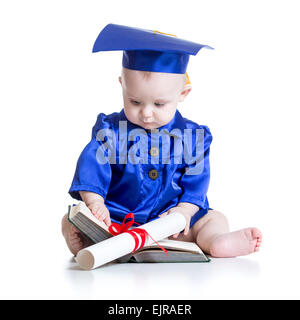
(74, 238)
(212, 235)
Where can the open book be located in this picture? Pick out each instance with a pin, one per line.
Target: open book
(178, 251)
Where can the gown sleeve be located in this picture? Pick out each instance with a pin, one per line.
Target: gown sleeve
(90, 174)
(195, 180)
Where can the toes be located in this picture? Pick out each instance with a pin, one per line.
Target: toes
(258, 243)
(79, 241)
(256, 234)
(75, 240)
(76, 245)
(74, 230)
(74, 235)
(256, 237)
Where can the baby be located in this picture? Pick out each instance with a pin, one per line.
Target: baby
(146, 183)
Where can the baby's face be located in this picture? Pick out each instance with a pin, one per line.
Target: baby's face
(150, 100)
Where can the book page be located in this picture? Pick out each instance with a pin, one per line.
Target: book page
(176, 245)
(153, 255)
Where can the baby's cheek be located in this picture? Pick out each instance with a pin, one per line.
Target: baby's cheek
(131, 115)
(165, 116)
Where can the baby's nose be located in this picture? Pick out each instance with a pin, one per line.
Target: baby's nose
(147, 112)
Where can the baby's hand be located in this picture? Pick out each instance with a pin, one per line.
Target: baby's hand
(187, 210)
(96, 204)
(100, 211)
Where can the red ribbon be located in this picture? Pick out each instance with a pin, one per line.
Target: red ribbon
(128, 221)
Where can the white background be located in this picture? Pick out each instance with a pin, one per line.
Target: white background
(246, 91)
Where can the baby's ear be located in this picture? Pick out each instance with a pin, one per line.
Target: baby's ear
(120, 80)
(185, 91)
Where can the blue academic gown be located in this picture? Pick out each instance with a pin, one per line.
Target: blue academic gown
(146, 189)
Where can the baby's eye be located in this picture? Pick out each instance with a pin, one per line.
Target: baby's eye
(135, 102)
(159, 104)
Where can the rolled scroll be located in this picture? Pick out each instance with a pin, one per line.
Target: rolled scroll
(124, 243)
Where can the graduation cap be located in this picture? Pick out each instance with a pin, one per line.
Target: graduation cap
(147, 50)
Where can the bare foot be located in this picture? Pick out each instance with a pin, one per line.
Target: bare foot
(237, 243)
(74, 238)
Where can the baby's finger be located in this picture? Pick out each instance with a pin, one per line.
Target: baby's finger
(105, 216)
(186, 230)
(163, 214)
(94, 207)
(187, 227)
(98, 213)
(175, 235)
(107, 221)
(102, 216)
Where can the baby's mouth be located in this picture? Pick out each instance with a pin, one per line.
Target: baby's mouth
(148, 125)
(147, 122)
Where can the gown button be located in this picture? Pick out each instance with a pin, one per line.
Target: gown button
(153, 174)
(154, 152)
